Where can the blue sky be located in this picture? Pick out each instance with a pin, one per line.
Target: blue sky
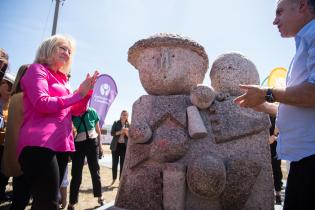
(105, 29)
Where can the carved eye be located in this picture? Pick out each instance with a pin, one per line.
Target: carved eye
(173, 56)
(153, 57)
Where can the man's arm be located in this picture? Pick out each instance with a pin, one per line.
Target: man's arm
(300, 95)
(98, 131)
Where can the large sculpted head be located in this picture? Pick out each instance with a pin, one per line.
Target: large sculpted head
(230, 70)
(169, 64)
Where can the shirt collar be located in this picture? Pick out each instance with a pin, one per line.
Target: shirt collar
(59, 73)
(303, 31)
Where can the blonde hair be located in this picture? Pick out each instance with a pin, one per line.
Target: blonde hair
(122, 112)
(47, 47)
(16, 88)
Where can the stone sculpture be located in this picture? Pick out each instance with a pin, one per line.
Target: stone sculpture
(190, 147)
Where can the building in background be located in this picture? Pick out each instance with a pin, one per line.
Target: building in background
(106, 138)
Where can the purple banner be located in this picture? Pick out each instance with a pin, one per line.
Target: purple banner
(104, 93)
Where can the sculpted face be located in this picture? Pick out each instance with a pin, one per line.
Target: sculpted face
(170, 70)
(230, 70)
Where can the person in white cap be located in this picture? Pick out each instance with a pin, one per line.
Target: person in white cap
(5, 89)
(3, 62)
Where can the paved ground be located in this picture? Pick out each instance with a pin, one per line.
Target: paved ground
(280, 207)
(106, 163)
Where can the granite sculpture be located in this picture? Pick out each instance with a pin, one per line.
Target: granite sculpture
(190, 146)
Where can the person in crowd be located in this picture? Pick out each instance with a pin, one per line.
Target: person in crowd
(3, 62)
(63, 190)
(45, 138)
(87, 144)
(275, 162)
(296, 109)
(5, 88)
(118, 145)
(10, 165)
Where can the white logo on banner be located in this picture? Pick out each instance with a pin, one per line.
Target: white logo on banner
(105, 89)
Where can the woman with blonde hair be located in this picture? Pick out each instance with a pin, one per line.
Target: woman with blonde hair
(45, 138)
(118, 146)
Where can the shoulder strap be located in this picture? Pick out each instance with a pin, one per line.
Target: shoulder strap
(85, 128)
(82, 120)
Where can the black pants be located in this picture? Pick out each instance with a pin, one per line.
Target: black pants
(21, 193)
(276, 167)
(3, 179)
(89, 149)
(300, 190)
(118, 156)
(43, 170)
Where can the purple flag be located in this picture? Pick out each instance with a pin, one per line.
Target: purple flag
(104, 93)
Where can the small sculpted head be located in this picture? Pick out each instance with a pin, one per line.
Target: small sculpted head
(230, 70)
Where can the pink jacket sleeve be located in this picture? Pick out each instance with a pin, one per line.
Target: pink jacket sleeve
(35, 85)
(80, 107)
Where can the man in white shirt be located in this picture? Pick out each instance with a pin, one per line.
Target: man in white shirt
(296, 109)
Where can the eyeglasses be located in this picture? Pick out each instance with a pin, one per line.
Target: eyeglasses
(65, 49)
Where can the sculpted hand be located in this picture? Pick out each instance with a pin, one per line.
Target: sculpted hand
(253, 96)
(88, 83)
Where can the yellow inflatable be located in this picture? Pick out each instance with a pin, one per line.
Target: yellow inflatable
(277, 77)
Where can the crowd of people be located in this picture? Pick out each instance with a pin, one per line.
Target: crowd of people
(43, 124)
(28, 103)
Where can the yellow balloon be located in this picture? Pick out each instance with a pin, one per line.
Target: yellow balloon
(277, 77)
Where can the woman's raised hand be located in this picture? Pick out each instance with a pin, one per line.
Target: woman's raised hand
(88, 83)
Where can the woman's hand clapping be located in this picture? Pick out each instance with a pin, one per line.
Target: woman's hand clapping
(88, 83)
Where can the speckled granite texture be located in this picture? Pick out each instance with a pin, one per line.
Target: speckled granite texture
(226, 168)
(231, 69)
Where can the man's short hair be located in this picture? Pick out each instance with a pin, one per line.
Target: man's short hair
(311, 4)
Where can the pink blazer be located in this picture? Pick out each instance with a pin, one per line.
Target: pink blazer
(48, 106)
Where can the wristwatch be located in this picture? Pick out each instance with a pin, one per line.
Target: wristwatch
(269, 96)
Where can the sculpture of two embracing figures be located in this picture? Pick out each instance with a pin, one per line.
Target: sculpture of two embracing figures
(190, 146)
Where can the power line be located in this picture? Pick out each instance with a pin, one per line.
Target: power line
(46, 21)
